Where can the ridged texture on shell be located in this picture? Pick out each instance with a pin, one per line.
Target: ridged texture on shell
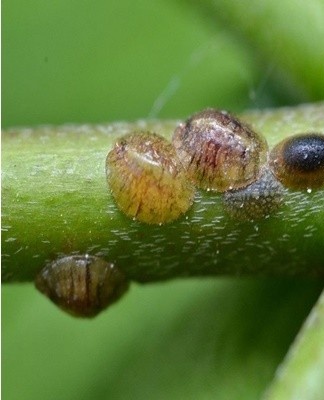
(81, 285)
(147, 180)
(218, 151)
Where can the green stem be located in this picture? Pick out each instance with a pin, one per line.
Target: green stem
(56, 201)
(301, 374)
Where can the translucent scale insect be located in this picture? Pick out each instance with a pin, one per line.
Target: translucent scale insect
(147, 180)
(218, 151)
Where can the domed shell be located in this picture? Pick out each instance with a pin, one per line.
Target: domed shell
(81, 285)
(147, 180)
(298, 161)
(218, 151)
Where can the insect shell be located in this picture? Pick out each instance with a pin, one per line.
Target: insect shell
(258, 200)
(81, 285)
(218, 151)
(298, 161)
(147, 180)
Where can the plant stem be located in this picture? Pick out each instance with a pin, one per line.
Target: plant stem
(56, 202)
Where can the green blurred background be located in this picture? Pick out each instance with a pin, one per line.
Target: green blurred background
(76, 61)
(83, 61)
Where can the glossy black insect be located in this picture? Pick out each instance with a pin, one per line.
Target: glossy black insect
(298, 161)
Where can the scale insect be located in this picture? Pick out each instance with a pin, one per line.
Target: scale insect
(147, 180)
(218, 151)
(82, 285)
(258, 200)
(298, 161)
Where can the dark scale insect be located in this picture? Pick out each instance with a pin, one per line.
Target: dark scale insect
(218, 151)
(147, 180)
(82, 285)
(298, 161)
(258, 200)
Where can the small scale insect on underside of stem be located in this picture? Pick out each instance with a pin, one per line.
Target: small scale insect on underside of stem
(82, 285)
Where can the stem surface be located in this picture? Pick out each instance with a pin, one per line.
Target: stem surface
(56, 202)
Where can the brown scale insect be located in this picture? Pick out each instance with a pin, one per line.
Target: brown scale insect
(147, 180)
(82, 285)
(298, 161)
(258, 200)
(218, 151)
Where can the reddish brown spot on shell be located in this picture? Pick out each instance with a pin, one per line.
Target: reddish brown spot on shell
(218, 151)
(298, 161)
(147, 180)
(82, 285)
